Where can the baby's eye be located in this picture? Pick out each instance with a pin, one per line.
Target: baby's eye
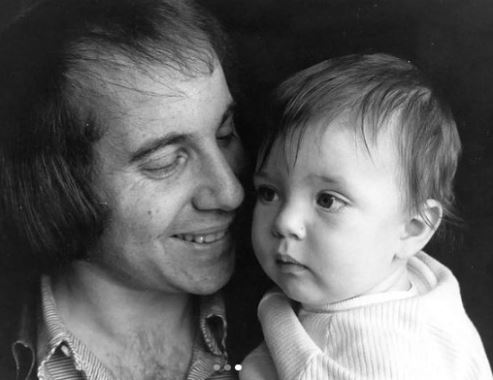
(266, 194)
(330, 202)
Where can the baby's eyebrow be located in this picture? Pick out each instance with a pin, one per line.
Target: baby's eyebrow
(332, 180)
(261, 175)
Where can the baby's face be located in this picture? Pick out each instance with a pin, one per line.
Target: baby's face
(328, 228)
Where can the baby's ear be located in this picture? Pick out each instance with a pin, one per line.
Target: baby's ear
(420, 228)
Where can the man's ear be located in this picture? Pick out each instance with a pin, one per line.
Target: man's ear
(420, 228)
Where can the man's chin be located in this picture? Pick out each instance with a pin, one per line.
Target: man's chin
(216, 279)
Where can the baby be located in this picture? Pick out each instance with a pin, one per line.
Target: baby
(351, 184)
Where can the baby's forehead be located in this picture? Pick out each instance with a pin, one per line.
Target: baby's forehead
(336, 153)
(368, 135)
(317, 137)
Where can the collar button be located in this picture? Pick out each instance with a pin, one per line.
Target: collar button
(65, 350)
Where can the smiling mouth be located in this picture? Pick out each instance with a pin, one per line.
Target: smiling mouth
(202, 238)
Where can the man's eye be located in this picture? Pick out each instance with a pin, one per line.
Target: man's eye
(266, 194)
(330, 202)
(226, 133)
(164, 167)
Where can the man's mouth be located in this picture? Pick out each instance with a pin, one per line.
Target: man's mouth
(202, 238)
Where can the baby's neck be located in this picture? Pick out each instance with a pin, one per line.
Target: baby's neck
(398, 280)
(397, 284)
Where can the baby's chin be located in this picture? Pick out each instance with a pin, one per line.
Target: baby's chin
(304, 296)
(313, 299)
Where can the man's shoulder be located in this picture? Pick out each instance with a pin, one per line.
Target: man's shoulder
(9, 327)
(17, 321)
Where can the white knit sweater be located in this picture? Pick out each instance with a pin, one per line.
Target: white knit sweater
(422, 335)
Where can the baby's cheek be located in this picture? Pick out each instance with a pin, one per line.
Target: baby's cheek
(260, 240)
(259, 222)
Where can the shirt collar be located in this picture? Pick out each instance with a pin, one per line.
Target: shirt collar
(212, 323)
(56, 341)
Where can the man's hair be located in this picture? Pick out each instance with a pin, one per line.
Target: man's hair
(376, 91)
(49, 58)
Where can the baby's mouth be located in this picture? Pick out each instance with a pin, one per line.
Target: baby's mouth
(202, 238)
(287, 260)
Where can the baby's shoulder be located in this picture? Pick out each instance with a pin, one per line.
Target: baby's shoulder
(258, 365)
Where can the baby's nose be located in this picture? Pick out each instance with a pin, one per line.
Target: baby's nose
(290, 222)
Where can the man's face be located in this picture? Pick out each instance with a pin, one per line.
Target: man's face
(167, 168)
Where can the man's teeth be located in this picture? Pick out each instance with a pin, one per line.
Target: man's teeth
(202, 239)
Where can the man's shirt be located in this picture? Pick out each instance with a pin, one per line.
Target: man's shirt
(63, 356)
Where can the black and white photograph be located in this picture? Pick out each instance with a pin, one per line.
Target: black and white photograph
(246, 190)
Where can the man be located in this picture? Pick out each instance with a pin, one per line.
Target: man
(119, 163)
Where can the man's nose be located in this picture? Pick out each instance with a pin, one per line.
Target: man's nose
(218, 185)
(290, 222)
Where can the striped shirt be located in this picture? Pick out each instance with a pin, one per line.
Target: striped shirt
(64, 357)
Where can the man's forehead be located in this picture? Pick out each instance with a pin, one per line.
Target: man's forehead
(146, 105)
(118, 85)
(110, 74)
(125, 80)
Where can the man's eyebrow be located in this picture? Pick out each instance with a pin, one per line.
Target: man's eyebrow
(154, 145)
(172, 138)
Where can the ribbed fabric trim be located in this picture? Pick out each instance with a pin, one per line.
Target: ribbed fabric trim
(423, 334)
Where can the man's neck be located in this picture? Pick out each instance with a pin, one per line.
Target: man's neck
(128, 329)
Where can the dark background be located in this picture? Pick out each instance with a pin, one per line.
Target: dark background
(451, 41)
